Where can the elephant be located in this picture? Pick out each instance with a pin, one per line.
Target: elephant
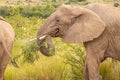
(95, 25)
(7, 36)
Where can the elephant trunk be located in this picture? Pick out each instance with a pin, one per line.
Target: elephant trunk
(44, 40)
(46, 45)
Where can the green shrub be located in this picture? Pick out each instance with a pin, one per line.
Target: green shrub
(47, 10)
(10, 10)
(28, 11)
(4, 11)
(38, 11)
(16, 10)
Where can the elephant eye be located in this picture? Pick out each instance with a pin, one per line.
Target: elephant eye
(57, 20)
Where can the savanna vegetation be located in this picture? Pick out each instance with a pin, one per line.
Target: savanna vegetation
(26, 16)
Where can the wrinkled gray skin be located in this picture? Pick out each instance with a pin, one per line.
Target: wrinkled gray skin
(6, 44)
(96, 25)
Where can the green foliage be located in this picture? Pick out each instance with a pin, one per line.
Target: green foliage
(47, 10)
(76, 58)
(4, 11)
(25, 28)
(43, 10)
(28, 11)
(16, 10)
(29, 51)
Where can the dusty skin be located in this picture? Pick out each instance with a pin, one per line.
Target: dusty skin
(7, 36)
(95, 25)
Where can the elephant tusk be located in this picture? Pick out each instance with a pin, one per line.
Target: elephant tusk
(32, 39)
(43, 37)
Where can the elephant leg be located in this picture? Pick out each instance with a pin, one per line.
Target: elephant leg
(3, 64)
(92, 69)
(86, 72)
(5, 58)
(1, 54)
(1, 51)
(95, 54)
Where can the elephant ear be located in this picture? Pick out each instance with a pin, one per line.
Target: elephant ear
(86, 26)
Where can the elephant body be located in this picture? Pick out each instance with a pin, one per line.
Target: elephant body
(111, 17)
(7, 36)
(96, 25)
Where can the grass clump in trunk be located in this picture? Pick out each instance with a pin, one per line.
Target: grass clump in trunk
(29, 51)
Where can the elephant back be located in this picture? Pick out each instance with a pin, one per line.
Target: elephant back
(109, 14)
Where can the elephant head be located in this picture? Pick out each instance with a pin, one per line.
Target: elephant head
(73, 24)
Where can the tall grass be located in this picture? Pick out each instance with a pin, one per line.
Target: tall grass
(76, 59)
(110, 70)
(51, 68)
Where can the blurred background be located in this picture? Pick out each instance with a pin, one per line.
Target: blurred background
(26, 16)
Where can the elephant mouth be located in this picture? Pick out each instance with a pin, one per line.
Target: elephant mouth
(55, 33)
